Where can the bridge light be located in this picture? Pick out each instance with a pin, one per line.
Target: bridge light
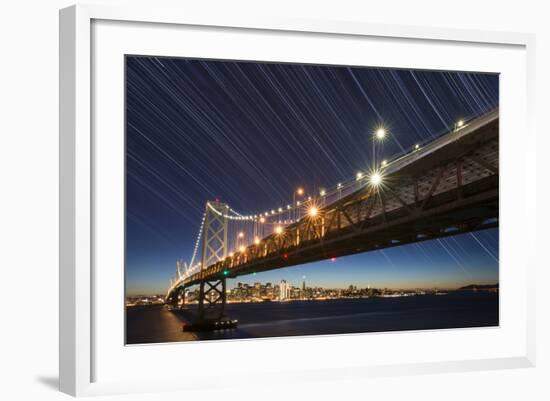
(241, 235)
(256, 241)
(384, 162)
(339, 185)
(309, 198)
(322, 192)
(312, 211)
(460, 123)
(262, 219)
(358, 176)
(380, 133)
(417, 146)
(297, 203)
(375, 179)
(230, 254)
(288, 206)
(242, 249)
(278, 230)
(280, 209)
(273, 212)
(300, 191)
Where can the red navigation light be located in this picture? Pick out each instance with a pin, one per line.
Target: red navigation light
(333, 259)
(285, 255)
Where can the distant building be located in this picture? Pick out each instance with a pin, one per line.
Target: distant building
(284, 290)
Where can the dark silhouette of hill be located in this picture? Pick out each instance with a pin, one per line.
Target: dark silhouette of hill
(475, 287)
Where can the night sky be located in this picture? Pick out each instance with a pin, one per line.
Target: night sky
(249, 134)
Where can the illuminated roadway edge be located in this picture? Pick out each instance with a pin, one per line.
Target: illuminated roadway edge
(430, 148)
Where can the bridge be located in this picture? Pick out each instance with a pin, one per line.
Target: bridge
(441, 188)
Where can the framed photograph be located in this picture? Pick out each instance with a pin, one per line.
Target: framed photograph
(405, 236)
(233, 188)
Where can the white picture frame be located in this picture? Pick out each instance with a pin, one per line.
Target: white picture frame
(78, 375)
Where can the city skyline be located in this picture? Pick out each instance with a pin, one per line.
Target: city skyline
(284, 290)
(314, 124)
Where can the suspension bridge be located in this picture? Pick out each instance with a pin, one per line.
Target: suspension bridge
(441, 188)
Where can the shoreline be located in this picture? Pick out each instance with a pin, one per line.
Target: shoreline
(322, 299)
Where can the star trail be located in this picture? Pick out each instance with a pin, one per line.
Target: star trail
(250, 133)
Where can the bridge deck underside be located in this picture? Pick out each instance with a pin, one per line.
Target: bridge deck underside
(451, 191)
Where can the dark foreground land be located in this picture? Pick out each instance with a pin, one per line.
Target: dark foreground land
(155, 324)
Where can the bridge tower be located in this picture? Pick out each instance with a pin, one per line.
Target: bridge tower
(212, 293)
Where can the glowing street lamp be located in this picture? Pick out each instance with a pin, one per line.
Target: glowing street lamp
(358, 176)
(242, 249)
(460, 123)
(380, 133)
(278, 230)
(312, 211)
(384, 162)
(257, 241)
(241, 235)
(417, 146)
(262, 219)
(299, 192)
(375, 179)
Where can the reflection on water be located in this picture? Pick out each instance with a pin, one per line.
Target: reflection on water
(154, 324)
